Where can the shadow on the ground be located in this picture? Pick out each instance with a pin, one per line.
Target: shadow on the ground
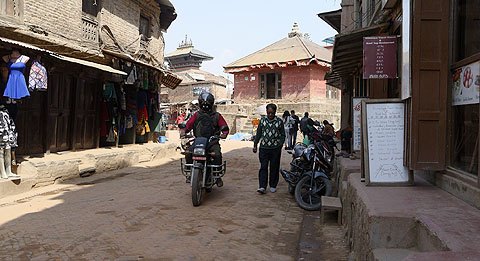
(145, 211)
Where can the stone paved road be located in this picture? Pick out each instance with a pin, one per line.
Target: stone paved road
(145, 212)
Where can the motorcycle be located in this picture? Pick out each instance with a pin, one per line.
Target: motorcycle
(186, 142)
(201, 173)
(327, 141)
(309, 177)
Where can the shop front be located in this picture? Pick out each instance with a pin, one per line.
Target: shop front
(438, 80)
(56, 107)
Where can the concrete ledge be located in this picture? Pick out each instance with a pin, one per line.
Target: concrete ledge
(343, 167)
(420, 221)
(46, 170)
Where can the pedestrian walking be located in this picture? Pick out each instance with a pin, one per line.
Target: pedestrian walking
(270, 134)
(288, 125)
(294, 131)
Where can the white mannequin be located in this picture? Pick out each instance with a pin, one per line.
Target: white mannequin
(6, 164)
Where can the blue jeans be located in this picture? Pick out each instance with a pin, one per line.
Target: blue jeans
(294, 138)
(288, 139)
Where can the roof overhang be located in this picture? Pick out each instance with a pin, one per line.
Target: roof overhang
(98, 66)
(169, 79)
(167, 15)
(348, 52)
(332, 18)
(277, 65)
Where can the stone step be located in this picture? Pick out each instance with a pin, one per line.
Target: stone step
(392, 254)
(14, 187)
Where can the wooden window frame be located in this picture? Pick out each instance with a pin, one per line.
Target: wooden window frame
(149, 26)
(454, 65)
(93, 14)
(278, 85)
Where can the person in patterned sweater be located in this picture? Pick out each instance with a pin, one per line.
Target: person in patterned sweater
(271, 135)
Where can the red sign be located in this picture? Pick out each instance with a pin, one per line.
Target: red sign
(380, 57)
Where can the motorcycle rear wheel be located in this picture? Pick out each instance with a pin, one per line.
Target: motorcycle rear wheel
(305, 196)
(197, 178)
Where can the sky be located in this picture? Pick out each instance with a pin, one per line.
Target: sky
(231, 29)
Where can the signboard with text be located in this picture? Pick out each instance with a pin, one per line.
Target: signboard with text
(466, 85)
(380, 57)
(357, 133)
(200, 89)
(383, 143)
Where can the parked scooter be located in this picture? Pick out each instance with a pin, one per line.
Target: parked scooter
(201, 174)
(309, 176)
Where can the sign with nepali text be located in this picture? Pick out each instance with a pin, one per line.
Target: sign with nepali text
(466, 85)
(380, 57)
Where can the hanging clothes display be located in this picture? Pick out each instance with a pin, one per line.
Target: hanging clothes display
(132, 74)
(38, 77)
(8, 132)
(109, 92)
(145, 80)
(16, 85)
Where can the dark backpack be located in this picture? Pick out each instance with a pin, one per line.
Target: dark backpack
(206, 124)
(303, 125)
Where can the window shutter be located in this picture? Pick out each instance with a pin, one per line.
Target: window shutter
(429, 84)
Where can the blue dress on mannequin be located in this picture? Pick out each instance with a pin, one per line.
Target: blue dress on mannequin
(16, 85)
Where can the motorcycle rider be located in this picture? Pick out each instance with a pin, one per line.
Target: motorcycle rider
(206, 123)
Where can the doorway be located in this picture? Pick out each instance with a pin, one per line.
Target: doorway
(270, 85)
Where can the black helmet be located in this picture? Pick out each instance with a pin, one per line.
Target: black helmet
(206, 101)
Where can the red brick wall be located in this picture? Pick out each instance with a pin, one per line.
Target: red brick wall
(298, 83)
(318, 86)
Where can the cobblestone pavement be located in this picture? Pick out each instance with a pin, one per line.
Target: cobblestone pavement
(145, 212)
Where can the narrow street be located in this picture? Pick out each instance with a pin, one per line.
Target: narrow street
(145, 212)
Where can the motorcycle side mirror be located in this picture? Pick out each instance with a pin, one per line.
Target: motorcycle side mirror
(182, 125)
(224, 128)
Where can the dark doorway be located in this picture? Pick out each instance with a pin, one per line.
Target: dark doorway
(59, 106)
(270, 85)
(86, 104)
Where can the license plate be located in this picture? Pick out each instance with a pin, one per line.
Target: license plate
(200, 158)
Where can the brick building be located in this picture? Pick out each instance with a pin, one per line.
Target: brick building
(83, 45)
(289, 72)
(292, 69)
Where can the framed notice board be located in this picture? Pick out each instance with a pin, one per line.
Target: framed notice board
(383, 139)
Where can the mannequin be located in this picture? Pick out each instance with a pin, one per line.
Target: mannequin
(8, 140)
(16, 57)
(16, 87)
(6, 164)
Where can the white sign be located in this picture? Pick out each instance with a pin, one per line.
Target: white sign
(200, 89)
(357, 120)
(466, 85)
(385, 126)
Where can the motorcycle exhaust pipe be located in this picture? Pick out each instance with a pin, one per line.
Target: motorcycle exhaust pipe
(286, 175)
